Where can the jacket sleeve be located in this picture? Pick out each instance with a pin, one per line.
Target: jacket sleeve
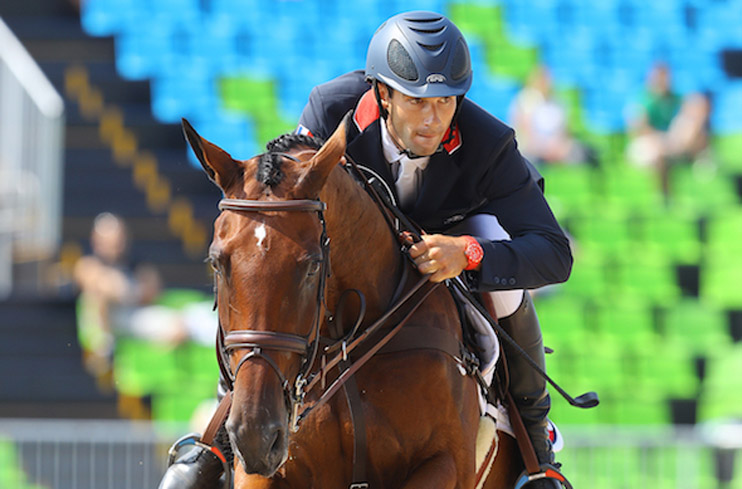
(538, 253)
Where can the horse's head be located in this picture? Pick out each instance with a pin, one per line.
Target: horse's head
(270, 260)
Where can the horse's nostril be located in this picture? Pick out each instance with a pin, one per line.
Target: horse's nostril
(277, 444)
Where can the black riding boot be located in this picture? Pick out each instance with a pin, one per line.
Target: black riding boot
(199, 468)
(527, 387)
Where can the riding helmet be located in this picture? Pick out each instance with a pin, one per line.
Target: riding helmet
(421, 54)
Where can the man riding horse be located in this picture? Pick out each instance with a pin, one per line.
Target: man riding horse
(455, 170)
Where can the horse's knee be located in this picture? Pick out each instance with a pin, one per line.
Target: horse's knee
(438, 472)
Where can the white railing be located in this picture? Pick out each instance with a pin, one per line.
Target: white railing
(31, 151)
(65, 454)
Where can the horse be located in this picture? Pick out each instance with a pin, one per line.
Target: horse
(295, 234)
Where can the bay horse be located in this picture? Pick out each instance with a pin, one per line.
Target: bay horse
(297, 230)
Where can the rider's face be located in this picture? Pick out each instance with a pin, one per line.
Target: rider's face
(417, 124)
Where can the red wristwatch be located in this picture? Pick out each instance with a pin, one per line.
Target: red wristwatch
(474, 253)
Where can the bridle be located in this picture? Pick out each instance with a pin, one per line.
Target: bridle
(256, 342)
(259, 341)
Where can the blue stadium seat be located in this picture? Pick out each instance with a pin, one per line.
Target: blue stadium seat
(188, 92)
(725, 117)
(233, 133)
(105, 17)
(145, 46)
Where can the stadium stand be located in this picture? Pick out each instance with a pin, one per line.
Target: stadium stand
(627, 324)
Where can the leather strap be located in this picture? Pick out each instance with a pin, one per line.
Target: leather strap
(217, 420)
(423, 338)
(527, 452)
(304, 205)
(355, 408)
(521, 436)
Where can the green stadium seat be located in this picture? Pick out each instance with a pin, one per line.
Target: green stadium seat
(625, 323)
(588, 278)
(699, 190)
(675, 234)
(570, 189)
(606, 229)
(728, 151)
(719, 280)
(721, 397)
(698, 326)
(646, 275)
(724, 231)
(631, 188)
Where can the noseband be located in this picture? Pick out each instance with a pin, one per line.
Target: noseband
(258, 341)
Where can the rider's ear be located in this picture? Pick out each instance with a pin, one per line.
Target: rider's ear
(221, 168)
(325, 160)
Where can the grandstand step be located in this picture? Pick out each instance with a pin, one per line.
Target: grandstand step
(101, 75)
(71, 50)
(27, 8)
(41, 362)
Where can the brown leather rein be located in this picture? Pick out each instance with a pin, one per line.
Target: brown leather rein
(307, 346)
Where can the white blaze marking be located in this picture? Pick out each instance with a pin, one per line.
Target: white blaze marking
(260, 234)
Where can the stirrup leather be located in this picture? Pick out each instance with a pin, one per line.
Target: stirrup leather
(547, 471)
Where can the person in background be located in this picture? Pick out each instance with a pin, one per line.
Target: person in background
(541, 126)
(667, 128)
(116, 299)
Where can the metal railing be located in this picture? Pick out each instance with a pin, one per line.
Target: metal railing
(31, 145)
(66, 454)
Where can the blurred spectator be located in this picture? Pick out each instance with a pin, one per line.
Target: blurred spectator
(668, 128)
(116, 299)
(540, 123)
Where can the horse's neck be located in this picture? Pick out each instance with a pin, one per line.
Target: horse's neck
(364, 253)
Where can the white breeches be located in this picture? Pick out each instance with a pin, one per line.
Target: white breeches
(488, 227)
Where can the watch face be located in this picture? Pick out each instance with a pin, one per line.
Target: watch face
(474, 253)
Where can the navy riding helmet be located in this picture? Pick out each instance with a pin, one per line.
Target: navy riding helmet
(421, 54)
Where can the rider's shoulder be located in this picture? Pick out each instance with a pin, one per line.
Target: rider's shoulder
(342, 89)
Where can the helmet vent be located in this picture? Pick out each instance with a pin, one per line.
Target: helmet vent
(432, 47)
(428, 31)
(400, 61)
(436, 18)
(461, 66)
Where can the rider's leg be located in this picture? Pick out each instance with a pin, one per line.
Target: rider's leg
(527, 387)
(199, 468)
(518, 317)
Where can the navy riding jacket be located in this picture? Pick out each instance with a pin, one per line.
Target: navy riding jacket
(480, 171)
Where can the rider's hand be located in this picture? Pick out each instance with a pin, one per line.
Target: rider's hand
(439, 255)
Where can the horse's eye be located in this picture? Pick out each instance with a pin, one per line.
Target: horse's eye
(314, 267)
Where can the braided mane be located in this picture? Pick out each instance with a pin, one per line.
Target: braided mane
(269, 166)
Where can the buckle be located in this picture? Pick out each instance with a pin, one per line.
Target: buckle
(359, 485)
(548, 471)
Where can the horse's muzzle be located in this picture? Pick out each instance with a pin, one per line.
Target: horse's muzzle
(261, 448)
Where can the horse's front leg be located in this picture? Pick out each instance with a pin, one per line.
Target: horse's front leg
(438, 472)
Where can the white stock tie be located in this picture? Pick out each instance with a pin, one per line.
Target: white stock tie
(407, 179)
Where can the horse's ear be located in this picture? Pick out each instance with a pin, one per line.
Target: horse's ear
(326, 159)
(221, 168)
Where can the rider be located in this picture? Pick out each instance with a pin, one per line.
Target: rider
(453, 168)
